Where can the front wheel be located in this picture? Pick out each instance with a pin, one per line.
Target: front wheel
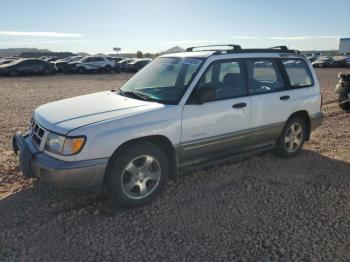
(13, 72)
(291, 140)
(48, 71)
(137, 174)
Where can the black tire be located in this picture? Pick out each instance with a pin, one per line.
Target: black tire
(13, 72)
(282, 149)
(118, 176)
(47, 71)
(344, 106)
(81, 70)
(108, 69)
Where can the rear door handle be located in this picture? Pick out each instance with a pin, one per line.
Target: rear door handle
(284, 97)
(239, 105)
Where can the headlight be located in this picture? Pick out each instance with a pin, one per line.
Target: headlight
(64, 145)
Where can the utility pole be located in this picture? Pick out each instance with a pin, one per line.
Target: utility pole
(117, 49)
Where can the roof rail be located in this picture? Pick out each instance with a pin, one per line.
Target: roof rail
(285, 49)
(233, 47)
(282, 47)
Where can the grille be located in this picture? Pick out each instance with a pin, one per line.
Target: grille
(37, 133)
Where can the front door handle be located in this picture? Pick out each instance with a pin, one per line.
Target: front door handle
(239, 105)
(284, 97)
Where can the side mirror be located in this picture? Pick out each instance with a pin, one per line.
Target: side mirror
(206, 94)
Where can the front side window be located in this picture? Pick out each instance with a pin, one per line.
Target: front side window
(263, 76)
(164, 80)
(226, 77)
(298, 72)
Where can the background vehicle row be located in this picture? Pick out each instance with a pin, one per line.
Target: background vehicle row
(14, 66)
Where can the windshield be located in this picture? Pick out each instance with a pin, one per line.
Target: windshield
(165, 79)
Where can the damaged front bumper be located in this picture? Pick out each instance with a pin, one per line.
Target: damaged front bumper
(86, 174)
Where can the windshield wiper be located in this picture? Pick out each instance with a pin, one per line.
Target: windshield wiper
(137, 95)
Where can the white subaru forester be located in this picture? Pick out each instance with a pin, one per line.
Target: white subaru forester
(182, 110)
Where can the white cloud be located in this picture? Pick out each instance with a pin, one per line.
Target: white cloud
(40, 42)
(244, 37)
(188, 42)
(40, 34)
(304, 37)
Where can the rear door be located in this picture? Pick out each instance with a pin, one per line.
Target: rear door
(99, 62)
(272, 100)
(89, 63)
(217, 127)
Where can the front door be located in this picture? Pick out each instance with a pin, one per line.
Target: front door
(216, 128)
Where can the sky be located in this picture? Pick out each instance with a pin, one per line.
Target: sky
(96, 26)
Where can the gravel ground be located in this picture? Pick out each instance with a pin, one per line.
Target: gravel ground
(263, 208)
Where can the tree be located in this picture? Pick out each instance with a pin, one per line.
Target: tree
(139, 54)
(148, 55)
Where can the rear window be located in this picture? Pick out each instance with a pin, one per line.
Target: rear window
(298, 72)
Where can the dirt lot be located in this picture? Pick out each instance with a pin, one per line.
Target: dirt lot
(263, 208)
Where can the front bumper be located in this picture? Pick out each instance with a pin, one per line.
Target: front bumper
(316, 120)
(87, 174)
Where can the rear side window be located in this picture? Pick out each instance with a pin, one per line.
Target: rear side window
(298, 72)
(264, 76)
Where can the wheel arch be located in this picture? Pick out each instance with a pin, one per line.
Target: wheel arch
(159, 140)
(305, 115)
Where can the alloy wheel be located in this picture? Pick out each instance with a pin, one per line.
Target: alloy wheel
(141, 177)
(294, 137)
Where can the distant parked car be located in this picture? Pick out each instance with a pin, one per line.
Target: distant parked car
(27, 67)
(123, 64)
(92, 63)
(117, 60)
(348, 60)
(52, 59)
(137, 65)
(324, 62)
(62, 64)
(312, 58)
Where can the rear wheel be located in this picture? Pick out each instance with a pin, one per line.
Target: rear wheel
(291, 140)
(108, 68)
(81, 70)
(137, 174)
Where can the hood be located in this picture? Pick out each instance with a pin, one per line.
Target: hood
(74, 63)
(64, 115)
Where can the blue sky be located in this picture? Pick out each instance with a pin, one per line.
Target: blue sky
(154, 25)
